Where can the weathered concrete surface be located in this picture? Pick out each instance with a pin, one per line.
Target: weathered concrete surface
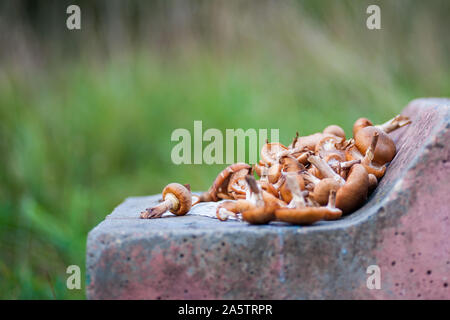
(404, 229)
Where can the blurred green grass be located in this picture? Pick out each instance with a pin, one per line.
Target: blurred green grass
(80, 136)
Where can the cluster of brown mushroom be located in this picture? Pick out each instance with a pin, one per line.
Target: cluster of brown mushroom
(317, 177)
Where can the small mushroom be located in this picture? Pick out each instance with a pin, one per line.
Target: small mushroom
(220, 183)
(353, 193)
(285, 191)
(330, 146)
(309, 142)
(325, 169)
(264, 204)
(267, 186)
(361, 123)
(345, 166)
(335, 130)
(385, 148)
(297, 212)
(397, 122)
(237, 186)
(271, 152)
(176, 199)
(322, 187)
(368, 161)
(232, 208)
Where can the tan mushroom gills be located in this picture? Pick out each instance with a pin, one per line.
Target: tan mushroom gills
(237, 185)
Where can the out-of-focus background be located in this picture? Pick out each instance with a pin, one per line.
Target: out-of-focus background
(86, 116)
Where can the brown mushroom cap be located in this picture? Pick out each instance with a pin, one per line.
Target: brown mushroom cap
(309, 142)
(291, 164)
(323, 188)
(274, 172)
(385, 149)
(301, 216)
(354, 192)
(373, 182)
(335, 130)
(182, 194)
(332, 214)
(232, 208)
(258, 215)
(361, 123)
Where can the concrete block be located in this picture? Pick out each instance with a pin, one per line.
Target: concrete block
(403, 229)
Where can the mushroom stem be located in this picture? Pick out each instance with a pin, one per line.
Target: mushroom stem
(294, 141)
(223, 214)
(348, 164)
(332, 200)
(370, 152)
(333, 212)
(170, 202)
(297, 196)
(280, 182)
(325, 169)
(393, 124)
(255, 192)
(310, 177)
